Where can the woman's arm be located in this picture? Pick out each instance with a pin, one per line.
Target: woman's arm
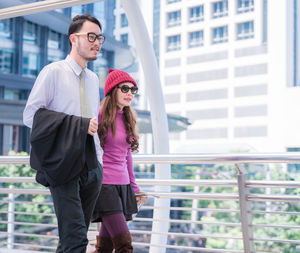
(130, 172)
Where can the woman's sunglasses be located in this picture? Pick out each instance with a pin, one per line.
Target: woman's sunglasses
(126, 88)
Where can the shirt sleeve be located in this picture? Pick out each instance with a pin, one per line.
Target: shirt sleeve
(130, 172)
(40, 96)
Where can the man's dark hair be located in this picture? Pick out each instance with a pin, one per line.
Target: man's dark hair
(78, 21)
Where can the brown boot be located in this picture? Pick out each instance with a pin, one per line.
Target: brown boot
(122, 243)
(103, 245)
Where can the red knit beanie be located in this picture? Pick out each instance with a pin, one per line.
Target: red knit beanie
(116, 77)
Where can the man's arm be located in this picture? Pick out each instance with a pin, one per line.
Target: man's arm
(40, 96)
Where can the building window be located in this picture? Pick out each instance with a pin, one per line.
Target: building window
(124, 21)
(245, 6)
(55, 40)
(174, 43)
(124, 38)
(11, 94)
(174, 18)
(11, 138)
(55, 52)
(6, 28)
(245, 30)
(6, 60)
(31, 50)
(14, 94)
(220, 9)
(196, 39)
(30, 34)
(220, 35)
(172, 1)
(31, 63)
(196, 14)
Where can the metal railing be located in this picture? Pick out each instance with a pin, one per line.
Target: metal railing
(228, 212)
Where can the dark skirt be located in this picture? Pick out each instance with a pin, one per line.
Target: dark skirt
(115, 199)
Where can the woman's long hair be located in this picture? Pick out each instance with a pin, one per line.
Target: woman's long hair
(108, 120)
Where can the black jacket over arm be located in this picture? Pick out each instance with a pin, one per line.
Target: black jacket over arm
(60, 147)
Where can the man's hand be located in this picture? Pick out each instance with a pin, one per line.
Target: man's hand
(93, 126)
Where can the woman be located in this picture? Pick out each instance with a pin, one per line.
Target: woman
(118, 136)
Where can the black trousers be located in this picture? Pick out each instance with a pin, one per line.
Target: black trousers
(74, 203)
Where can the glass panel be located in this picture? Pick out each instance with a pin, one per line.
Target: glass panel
(30, 33)
(174, 43)
(124, 21)
(100, 67)
(220, 9)
(174, 18)
(6, 60)
(245, 6)
(220, 35)
(76, 10)
(245, 31)
(10, 138)
(196, 39)
(11, 94)
(6, 28)
(99, 10)
(124, 38)
(196, 14)
(31, 62)
(55, 56)
(54, 40)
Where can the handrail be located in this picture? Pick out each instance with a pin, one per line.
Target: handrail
(290, 157)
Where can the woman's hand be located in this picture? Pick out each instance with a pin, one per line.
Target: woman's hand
(141, 197)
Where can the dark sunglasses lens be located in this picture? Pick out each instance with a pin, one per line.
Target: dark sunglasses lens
(134, 90)
(125, 89)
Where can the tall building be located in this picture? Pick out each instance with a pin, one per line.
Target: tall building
(232, 68)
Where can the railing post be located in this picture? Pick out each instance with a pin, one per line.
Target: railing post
(194, 213)
(246, 217)
(10, 219)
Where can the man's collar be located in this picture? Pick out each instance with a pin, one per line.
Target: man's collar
(74, 65)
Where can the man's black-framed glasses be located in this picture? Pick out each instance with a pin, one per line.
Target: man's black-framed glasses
(126, 88)
(92, 37)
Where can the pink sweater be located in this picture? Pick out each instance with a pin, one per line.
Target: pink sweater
(117, 158)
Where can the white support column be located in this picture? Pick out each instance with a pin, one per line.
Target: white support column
(246, 217)
(158, 115)
(11, 219)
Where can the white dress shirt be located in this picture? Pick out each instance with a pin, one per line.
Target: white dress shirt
(57, 88)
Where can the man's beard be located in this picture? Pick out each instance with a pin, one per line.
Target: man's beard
(85, 55)
(92, 58)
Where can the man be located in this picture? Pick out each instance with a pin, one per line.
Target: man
(68, 91)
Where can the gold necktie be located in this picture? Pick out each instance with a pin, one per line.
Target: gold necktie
(84, 106)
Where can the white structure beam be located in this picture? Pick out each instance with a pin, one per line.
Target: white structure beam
(36, 7)
(159, 121)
